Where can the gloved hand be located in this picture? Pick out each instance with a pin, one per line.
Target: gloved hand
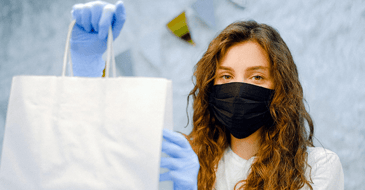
(183, 163)
(89, 35)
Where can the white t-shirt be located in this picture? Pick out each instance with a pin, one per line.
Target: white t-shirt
(326, 173)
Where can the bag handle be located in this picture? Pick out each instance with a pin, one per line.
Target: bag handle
(109, 51)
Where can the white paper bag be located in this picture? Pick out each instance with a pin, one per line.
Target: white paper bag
(73, 133)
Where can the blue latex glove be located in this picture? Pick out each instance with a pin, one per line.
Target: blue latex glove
(89, 35)
(183, 163)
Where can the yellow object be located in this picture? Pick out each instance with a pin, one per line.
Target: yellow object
(179, 27)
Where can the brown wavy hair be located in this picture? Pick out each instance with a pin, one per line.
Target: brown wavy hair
(281, 161)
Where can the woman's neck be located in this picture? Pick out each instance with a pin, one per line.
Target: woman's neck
(246, 147)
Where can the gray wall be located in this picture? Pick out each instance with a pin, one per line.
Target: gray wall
(326, 38)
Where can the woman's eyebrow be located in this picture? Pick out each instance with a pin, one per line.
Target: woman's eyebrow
(254, 68)
(225, 68)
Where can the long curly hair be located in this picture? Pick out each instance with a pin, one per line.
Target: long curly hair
(282, 158)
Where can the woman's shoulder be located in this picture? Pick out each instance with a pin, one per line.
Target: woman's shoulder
(326, 169)
(319, 152)
(319, 157)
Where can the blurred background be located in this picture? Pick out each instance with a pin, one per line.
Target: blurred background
(326, 38)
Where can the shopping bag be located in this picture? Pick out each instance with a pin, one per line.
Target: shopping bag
(74, 133)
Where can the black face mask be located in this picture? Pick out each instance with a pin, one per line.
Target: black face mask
(243, 108)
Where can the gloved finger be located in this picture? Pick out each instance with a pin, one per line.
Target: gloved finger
(119, 18)
(86, 18)
(106, 20)
(170, 163)
(172, 149)
(175, 138)
(184, 180)
(177, 176)
(96, 11)
(76, 13)
(165, 176)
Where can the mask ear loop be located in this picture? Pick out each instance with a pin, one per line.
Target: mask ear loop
(110, 53)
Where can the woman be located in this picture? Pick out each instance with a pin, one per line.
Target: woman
(262, 121)
(249, 118)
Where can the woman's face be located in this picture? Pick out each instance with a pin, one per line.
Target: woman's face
(245, 62)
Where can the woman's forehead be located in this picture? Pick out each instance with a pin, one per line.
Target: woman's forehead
(245, 55)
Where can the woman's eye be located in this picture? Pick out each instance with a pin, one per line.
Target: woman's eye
(226, 77)
(258, 77)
